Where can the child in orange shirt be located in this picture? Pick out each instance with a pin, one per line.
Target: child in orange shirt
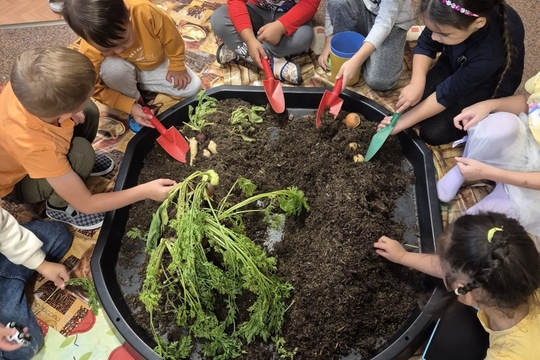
(133, 44)
(47, 125)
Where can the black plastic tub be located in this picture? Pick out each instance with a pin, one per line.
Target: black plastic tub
(299, 101)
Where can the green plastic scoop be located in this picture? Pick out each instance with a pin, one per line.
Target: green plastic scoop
(380, 137)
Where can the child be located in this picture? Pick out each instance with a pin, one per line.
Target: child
(35, 245)
(47, 125)
(384, 24)
(482, 57)
(272, 29)
(501, 148)
(489, 262)
(131, 43)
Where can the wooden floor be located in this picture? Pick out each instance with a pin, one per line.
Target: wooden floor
(26, 11)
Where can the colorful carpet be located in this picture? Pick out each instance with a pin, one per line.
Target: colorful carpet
(73, 332)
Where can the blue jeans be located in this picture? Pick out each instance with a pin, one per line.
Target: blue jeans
(56, 240)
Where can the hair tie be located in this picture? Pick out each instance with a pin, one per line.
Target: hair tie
(492, 232)
(458, 8)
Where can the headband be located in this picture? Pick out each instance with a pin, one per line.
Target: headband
(458, 8)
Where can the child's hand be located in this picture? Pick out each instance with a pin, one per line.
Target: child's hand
(385, 122)
(256, 50)
(78, 118)
(159, 189)
(6, 345)
(271, 32)
(347, 70)
(389, 249)
(323, 58)
(140, 116)
(409, 96)
(472, 170)
(179, 79)
(54, 272)
(472, 115)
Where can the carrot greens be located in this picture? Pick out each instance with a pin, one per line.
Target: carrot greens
(199, 254)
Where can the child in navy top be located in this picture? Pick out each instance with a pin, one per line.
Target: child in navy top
(482, 56)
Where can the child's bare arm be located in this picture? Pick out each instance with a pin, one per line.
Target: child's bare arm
(73, 190)
(420, 112)
(394, 251)
(473, 170)
(475, 113)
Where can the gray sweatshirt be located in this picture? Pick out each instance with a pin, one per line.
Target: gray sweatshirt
(389, 13)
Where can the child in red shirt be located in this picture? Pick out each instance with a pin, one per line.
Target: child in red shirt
(274, 30)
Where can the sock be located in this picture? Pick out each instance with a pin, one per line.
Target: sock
(449, 184)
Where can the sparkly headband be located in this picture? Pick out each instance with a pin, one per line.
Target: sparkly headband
(458, 8)
(492, 232)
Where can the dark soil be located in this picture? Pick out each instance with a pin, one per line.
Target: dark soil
(345, 296)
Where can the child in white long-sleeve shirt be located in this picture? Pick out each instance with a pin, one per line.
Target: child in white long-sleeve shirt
(384, 24)
(34, 246)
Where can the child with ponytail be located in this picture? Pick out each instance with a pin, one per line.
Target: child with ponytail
(487, 261)
(482, 57)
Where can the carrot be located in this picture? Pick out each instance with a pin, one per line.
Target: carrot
(193, 145)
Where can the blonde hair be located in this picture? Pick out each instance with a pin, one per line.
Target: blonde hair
(52, 81)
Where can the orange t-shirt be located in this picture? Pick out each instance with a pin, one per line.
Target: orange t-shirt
(156, 39)
(28, 145)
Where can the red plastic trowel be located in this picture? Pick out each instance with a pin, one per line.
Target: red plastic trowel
(174, 143)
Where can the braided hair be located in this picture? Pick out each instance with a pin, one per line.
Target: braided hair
(503, 263)
(442, 14)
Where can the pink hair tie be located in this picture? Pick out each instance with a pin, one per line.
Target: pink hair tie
(458, 8)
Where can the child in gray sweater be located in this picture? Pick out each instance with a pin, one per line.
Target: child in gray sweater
(384, 24)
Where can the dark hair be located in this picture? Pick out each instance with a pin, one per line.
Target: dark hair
(100, 21)
(442, 14)
(506, 268)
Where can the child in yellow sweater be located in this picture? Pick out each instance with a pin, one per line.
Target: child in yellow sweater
(133, 44)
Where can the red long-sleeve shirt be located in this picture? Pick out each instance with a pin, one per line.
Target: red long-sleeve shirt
(297, 12)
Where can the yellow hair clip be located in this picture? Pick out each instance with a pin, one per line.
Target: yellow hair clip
(492, 232)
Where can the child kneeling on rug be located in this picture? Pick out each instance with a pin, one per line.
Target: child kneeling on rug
(487, 261)
(384, 24)
(33, 246)
(481, 46)
(47, 125)
(133, 44)
(274, 30)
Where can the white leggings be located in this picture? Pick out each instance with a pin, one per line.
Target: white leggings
(123, 76)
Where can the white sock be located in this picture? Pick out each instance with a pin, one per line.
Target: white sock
(449, 184)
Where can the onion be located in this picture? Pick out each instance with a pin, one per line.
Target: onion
(352, 120)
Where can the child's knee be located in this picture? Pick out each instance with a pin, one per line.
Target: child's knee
(337, 6)
(81, 156)
(501, 127)
(193, 87)
(219, 20)
(379, 83)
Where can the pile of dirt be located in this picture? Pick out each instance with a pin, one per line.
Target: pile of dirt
(345, 296)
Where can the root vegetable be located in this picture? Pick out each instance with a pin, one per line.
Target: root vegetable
(352, 120)
(206, 153)
(212, 147)
(193, 145)
(200, 137)
(353, 146)
(358, 158)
